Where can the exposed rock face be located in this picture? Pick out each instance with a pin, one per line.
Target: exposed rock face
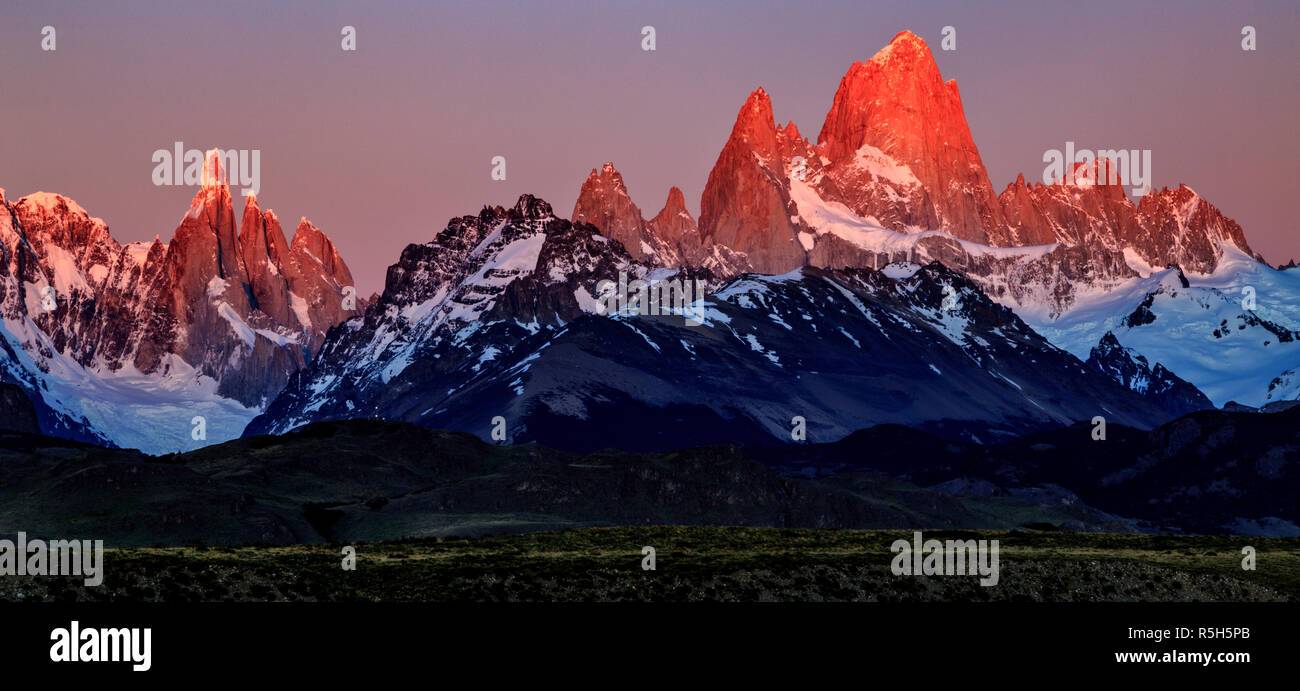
(675, 227)
(1089, 208)
(604, 203)
(1179, 227)
(670, 239)
(305, 283)
(208, 316)
(1131, 369)
(318, 283)
(895, 120)
(746, 202)
(244, 308)
(264, 250)
(65, 272)
(1027, 223)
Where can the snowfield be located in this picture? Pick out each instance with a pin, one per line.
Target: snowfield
(150, 412)
(1203, 333)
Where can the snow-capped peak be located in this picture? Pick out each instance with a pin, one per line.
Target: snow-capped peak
(50, 202)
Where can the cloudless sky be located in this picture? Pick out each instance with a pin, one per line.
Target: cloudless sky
(380, 147)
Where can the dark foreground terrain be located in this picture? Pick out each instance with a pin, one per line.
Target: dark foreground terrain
(1210, 472)
(693, 564)
(367, 480)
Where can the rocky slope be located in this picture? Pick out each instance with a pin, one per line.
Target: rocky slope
(49, 419)
(671, 239)
(1132, 370)
(513, 273)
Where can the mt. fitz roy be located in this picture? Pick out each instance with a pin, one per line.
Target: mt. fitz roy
(895, 176)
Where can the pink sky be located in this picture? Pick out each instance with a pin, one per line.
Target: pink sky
(381, 146)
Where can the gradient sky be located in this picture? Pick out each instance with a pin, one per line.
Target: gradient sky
(380, 147)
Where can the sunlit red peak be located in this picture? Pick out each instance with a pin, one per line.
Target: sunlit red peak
(758, 108)
(676, 201)
(905, 46)
(607, 173)
(1098, 171)
(214, 175)
(755, 125)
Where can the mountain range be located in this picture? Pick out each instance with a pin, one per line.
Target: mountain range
(159, 345)
(499, 318)
(872, 276)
